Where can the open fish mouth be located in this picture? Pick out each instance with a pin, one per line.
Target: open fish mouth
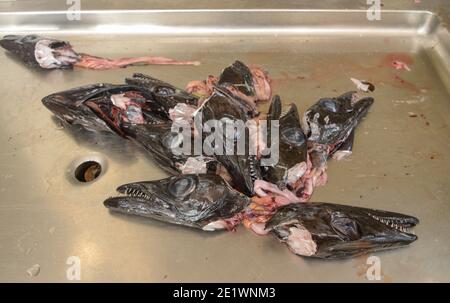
(292, 146)
(202, 201)
(331, 231)
(222, 106)
(103, 107)
(144, 109)
(107, 107)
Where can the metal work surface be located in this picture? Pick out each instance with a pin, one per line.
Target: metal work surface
(401, 159)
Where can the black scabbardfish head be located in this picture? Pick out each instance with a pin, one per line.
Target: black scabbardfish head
(331, 231)
(292, 146)
(202, 201)
(37, 51)
(330, 121)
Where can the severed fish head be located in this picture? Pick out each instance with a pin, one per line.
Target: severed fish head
(41, 52)
(231, 113)
(200, 201)
(332, 231)
(240, 76)
(293, 151)
(330, 121)
(250, 83)
(103, 107)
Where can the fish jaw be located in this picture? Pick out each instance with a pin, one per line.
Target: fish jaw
(333, 231)
(292, 150)
(69, 106)
(244, 169)
(329, 126)
(345, 150)
(203, 201)
(103, 107)
(331, 120)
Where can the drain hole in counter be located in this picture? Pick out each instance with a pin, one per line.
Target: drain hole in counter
(88, 171)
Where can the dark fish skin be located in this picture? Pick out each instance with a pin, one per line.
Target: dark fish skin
(331, 120)
(347, 145)
(345, 149)
(292, 143)
(69, 106)
(81, 106)
(157, 139)
(223, 104)
(24, 48)
(49, 53)
(243, 169)
(339, 231)
(238, 75)
(164, 95)
(329, 123)
(188, 200)
(88, 106)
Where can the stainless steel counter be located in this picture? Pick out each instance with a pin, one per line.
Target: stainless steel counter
(400, 163)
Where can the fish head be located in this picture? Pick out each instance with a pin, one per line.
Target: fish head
(69, 106)
(331, 120)
(292, 150)
(36, 51)
(103, 107)
(164, 95)
(201, 201)
(331, 231)
(230, 118)
(238, 75)
(22, 47)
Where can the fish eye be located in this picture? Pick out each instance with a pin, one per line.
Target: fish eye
(345, 227)
(57, 44)
(30, 38)
(330, 105)
(293, 136)
(182, 186)
(164, 91)
(172, 140)
(231, 128)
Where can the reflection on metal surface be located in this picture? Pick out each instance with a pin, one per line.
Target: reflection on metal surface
(399, 163)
